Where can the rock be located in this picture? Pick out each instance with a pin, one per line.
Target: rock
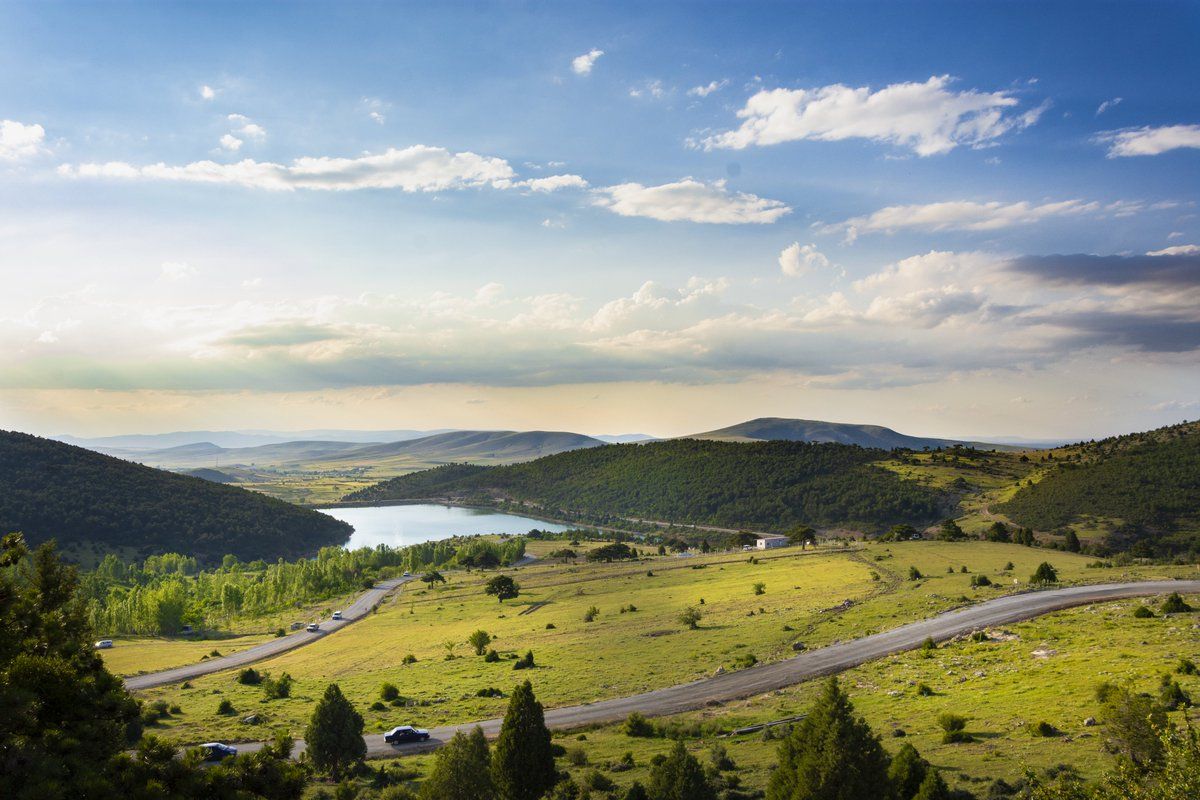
(1089, 722)
(250, 720)
(798, 646)
(719, 671)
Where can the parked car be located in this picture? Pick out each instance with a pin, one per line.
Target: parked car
(216, 751)
(337, 615)
(403, 734)
(408, 574)
(104, 644)
(313, 627)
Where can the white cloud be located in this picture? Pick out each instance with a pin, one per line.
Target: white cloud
(652, 88)
(1107, 104)
(708, 88)
(231, 142)
(18, 140)
(582, 65)
(797, 259)
(964, 215)
(1177, 250)
(246, 128)
(419, 168)
(252, 283)
(375, 109)
(207, 92)
(925, 117)
(1149, 141)
(177, 270)
(690, 200)
(552, 183)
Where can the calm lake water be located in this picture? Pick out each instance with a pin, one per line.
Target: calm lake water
(397, 526)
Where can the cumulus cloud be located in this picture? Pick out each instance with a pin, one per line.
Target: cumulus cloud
(929, 118)
(797, 259)
(231, 143)
(690, 200)
(552, 183)
(207, 92)
(1150, 141)
(582, 65)
(419, 168)
(18, 140)
(968, 215)
(708, 88)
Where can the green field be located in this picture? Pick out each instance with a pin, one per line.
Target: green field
(618, 653)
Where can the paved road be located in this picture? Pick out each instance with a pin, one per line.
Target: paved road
(356, 611)
(812, 664)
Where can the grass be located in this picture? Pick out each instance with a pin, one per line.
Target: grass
(135, 655)
(618, 653)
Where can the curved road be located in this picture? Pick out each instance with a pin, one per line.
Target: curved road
(806, 666)
(362, 606)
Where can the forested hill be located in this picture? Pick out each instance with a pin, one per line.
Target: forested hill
(1145, 485)
(763, 485)
(51, 490)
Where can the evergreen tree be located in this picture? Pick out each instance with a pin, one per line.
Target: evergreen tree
(1071, 541)
(334, 734)
(831, 755)
(1045, 573)
(523, 761)
(64, 715)
(907, 772)
(636, 792)
(679, 776)
(461, 770)
(933, 787)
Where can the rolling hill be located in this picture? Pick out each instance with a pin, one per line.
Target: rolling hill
(52, 490)
(807, 430)
(763, 485)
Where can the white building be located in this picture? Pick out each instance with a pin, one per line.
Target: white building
(769, 541)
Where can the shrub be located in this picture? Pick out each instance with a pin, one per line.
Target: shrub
(479, 640)
(1045, 573)
(760, 588)
(1173, 697)
(591, 614)
(1186, 667)
(1174, 604)
(954, 727)
(490, 691)
(225, 708)
(690, 617)
(278, 689)
(595, 779)
(389, 692)
(914, 574)
(492, 657)
(636, 724)
(1044, 729)
(745, 660)
(249, 677)
(577, 756)
(1009, 567)
(720, 759)
(280, 632)
(980, 580)
(378, 706)
(525, 661)
(924, 690)
(1142, 612)
(409, 659)
(550, 626)
(927, 647)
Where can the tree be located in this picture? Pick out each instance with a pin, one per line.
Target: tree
(1132, 722)
(690, 617)
(933, 787)
(461, 770)
(1045, 573)
(64, 715)
(503, 587)
(802, 535)
(998, 532)
(950, 532)
(334, 734)
(433, 577)
(479, 640)
(907, 771)
(679, 776)
(831, 754)
(523, 761)
(1174, 604)
(1071, 541)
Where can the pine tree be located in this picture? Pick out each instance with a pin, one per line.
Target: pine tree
(523, 762)
(933, 787)
(334, 734)
(831, 755)
(679, 776)
(907, 771)
(461, 770)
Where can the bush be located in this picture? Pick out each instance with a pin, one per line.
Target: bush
(690, 617)
(249, 677)
(928, 646)
(591, 614)
(924, 690)
(980, 580)
(525, 661)
(1045, 573)
(1142, 612)
(278, 689)
(378, 706)
(914, 574)
(225, 708)
(490, 691)
(595, 779)
(1173, 697)
(492, 657)
(745, 660)
(637, 725)
(1044, 729)
(1174, 604)
(954, 727)
(550, 626)
(577, 756)
(1186, 667)
(760, 588)
(409, 659)
(388, 692)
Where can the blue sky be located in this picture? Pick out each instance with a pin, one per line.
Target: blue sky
(602, 217)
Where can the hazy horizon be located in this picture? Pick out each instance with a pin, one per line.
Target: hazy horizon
(612, 217)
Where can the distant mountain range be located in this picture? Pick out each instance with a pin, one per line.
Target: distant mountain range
(234, 439)
(807, 430)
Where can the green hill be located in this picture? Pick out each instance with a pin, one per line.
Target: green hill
(1143, 488)
(808, 430)
(51, 490)
(764, 485)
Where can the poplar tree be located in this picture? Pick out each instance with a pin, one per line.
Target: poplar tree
(523, 761)
(334, 734)
(832, 755)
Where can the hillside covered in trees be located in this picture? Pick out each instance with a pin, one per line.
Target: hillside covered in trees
(759, 485)
(51, 490)
(1146, 484)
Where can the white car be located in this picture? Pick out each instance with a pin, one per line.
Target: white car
(337, 615)
(104, 644)
(312, 627)
(408, 574)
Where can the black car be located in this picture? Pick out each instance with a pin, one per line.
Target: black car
(403, 734)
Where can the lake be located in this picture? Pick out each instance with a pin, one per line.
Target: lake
(397, 526)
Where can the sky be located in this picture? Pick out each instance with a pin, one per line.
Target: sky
(949, 218)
